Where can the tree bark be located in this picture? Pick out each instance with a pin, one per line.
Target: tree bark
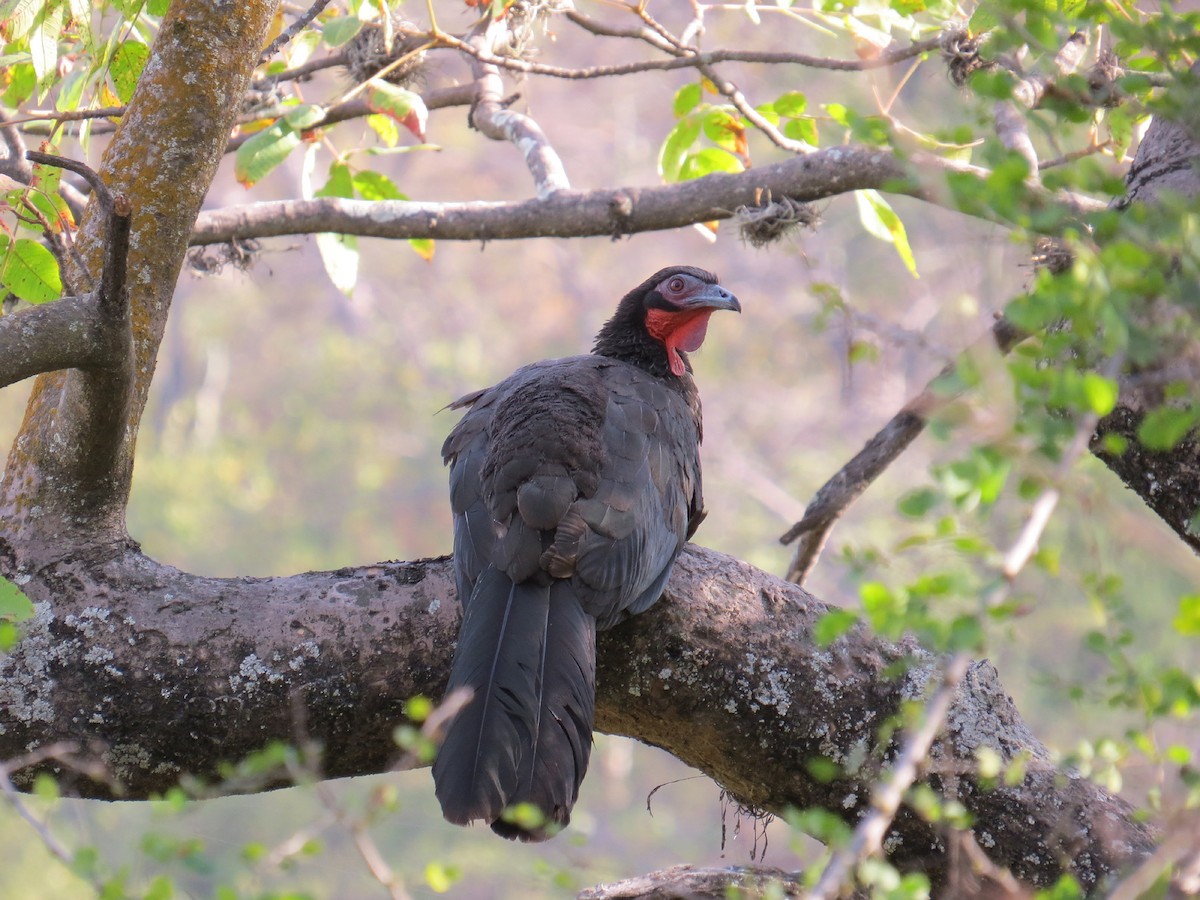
(66, 482)
(723, 673)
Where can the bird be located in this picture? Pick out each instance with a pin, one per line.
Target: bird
(574, 485)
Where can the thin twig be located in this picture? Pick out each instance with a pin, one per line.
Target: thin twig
(848, 484)
(99, 188)
(1183, 839)
(309, 68)
(886, 797)
(294, 29)
(887, 58)
(1074, 155)
(62, 751)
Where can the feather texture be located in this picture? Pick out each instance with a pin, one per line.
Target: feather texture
(574, 485)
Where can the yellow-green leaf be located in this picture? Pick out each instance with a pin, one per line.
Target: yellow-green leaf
(126, 68)
(14, 605)
(29, 270)
(263, 152)
(881, 221)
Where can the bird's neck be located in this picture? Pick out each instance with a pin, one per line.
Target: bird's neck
(628, 343)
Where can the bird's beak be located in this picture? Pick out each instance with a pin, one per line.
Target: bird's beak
(713, 297)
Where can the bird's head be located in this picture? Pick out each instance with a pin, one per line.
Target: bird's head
(664, 316)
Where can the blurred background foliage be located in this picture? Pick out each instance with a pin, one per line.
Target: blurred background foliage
(292, 427)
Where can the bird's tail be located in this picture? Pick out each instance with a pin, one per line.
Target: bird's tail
(527, 653)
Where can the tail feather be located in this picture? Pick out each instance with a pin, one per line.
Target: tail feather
(527, 653)
(551, 775)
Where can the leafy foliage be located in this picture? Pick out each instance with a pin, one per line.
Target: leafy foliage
(1009, 432)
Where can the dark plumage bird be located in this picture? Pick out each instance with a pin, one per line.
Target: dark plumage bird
(574, 484)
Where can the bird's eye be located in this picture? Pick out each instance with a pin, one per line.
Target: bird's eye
(676, 285)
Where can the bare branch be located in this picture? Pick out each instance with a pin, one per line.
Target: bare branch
(294, 29)
(103, 194)
(649, 35)
(695, 883)
(492, 117)
(309, 68)
(1183, 840)
(13, 164)
(65, 334)
(885, 59)
(611, 212)
(840, 491)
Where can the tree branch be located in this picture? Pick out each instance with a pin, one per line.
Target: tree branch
(65, 334)
(611, 212)
(490, 114)
(294, 29)
(723, 673)
(67, 481)
(885, 59)
(850, 482)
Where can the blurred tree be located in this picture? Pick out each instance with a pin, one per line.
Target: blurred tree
(122, 673)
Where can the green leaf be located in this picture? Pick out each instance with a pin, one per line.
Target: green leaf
(833, 625)
(1101, 393)
(423, 247)
(126, 68)
(916, 504)
(70, 91)
(263, 152)
(707, 161)
(405, 106)
(985, 17)
(19, 80)
(14, 605)
(441, 877)
(43, 45)
(1188, 620)
(881, 221)
(676, 146)
(385, 127)
(339, 184)
(686, 99)
(804, 129)
(19, 17)
(1165, 427)
(376, 186)
(838, 113)
(162, 888)
(339, 31)
(722, 127)
(29, 270)
(304, 116)
(791, 104)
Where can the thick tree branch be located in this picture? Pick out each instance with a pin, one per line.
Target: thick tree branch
(611, 212)
(723, 673)
(66, 334)
(694, 883)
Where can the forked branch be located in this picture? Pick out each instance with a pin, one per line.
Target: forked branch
(90, 332)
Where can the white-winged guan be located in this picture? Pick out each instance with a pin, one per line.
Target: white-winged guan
(574, 485)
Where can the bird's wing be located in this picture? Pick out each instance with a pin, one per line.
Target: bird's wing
(618, 542)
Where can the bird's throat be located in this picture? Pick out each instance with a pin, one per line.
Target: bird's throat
(678, 330)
